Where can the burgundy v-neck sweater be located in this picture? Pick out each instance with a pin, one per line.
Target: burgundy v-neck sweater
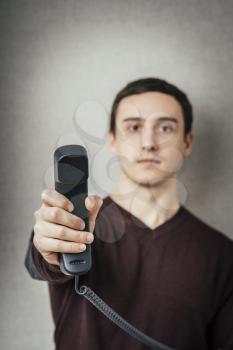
(174, 283)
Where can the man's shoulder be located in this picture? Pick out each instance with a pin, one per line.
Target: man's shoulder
(206, 232)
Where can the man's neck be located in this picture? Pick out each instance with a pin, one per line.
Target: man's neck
(152, 205)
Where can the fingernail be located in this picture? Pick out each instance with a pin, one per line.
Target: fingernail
(90, 237)
(93, 204)
(70, 207)
(83, 247)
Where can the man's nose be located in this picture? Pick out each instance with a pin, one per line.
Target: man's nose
(148, 139)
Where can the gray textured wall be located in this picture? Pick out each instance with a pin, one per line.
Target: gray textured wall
(59, 55)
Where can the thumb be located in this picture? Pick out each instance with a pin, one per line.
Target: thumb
(93, 204)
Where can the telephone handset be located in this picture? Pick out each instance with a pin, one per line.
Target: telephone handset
(71, 175)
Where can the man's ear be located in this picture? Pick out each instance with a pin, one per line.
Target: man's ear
(112, 141)
(188, 143)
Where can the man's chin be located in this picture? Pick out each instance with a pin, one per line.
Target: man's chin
(151, 181)
(148, 181)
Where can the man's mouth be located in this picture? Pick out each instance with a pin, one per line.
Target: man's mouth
(149, 160)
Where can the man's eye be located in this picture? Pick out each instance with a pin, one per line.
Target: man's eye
(166, 128)
(134, 127)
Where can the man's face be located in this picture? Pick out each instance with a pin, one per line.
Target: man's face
(150, 126)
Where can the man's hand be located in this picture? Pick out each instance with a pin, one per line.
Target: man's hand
(57, 230)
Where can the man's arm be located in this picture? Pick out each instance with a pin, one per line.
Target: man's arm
(29, 263)
(220, 330)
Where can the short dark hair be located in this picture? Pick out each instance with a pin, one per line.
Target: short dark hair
(154, 84)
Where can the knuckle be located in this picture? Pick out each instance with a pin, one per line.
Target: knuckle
(36, 240)
(84, 238)
(55, 214)
(73, 247)
(44, 193)
(78, 237)
(63, 203)
(59, 246)
(62, 233)
(36, 227)
(81, 223)
(81, 237)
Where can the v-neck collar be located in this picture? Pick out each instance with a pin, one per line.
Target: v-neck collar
(167, 226)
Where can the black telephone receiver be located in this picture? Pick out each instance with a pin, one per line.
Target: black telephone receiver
(70, 175)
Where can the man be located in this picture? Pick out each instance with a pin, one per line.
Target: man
(154, 262)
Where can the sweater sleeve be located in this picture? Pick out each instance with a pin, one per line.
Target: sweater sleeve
(221, 327)
(40, 269)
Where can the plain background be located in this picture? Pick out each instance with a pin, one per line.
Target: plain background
(62, 62)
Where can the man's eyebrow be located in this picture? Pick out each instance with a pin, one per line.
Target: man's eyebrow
(165, 118)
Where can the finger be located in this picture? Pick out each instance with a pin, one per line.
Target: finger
(93, 204)
(63, 233)
(52, 258)
(53, 198)
(58, 246)
(60, 216)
